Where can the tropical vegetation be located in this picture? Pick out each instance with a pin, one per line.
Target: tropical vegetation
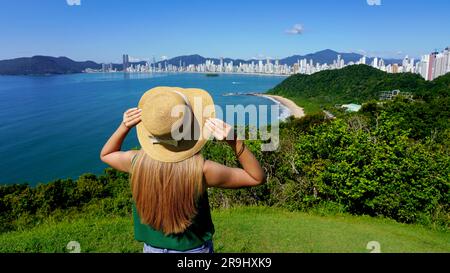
(390, 160)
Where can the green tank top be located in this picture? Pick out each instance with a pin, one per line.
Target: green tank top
(198, 233)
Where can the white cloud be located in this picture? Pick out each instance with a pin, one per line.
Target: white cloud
(133, 59)
(261, 57)
(73, 2)
(388, 54)
(374, 2)
(362, 51)
(163, 58)
(297, 29)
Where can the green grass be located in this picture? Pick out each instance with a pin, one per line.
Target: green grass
(244, 229)
(309, 106)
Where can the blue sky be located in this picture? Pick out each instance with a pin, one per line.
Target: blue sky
(102, 30)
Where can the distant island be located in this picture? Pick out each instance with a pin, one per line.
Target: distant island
(43, 65)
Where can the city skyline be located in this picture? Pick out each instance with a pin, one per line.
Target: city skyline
(103, 30)
(429, 66)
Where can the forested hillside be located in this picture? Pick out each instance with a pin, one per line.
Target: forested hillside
(391, 159)
(355, 84)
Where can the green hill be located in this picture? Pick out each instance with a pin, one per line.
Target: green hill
(270, 230)
(353, 84)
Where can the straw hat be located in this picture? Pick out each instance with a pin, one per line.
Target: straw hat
(173, 118)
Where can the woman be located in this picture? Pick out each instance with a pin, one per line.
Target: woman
(169, 177)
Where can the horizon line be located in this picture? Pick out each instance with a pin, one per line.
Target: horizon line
(203, 56)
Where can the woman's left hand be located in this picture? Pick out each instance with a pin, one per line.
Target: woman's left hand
(132, 117)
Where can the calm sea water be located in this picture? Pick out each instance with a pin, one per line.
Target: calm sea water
(55, 126)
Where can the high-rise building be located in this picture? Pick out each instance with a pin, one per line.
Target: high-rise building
(441, 66)
(447, 50)
(363, 60)
(296, 68)
(447, 53)
(431, 66)
(406, 64)
(375, 62)
(434, 65)
(126, 62)
(107, 67)
(424, 66)
(395, 68)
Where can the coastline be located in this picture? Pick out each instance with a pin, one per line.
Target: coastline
(194, 72)
(293, 108)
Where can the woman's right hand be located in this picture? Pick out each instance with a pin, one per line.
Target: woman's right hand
(132, 117)
(220, 129)
(221, 176)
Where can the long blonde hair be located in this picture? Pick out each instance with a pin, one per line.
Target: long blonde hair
(165, 194)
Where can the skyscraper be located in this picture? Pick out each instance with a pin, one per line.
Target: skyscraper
(444, 62)
(441, 65)
(447, 52)
(424, 65)
(406, 64)
(126, 62)
(375, 62)
(363, 60)
(431, 66)
(394, 68)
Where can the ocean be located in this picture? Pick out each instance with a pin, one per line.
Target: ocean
(54, 127)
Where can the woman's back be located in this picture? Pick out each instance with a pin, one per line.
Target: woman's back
(197, 234)
(166, 193)
(169, 178)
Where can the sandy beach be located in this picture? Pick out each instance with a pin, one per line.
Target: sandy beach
(295, 110)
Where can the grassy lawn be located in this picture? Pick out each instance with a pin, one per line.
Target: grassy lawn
(309, 106)
(244, 229)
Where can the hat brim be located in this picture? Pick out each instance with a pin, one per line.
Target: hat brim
(185, 148)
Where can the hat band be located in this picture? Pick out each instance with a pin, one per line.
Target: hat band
(171, 142)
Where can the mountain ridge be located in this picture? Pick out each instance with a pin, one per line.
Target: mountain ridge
(41, 65)
(323, 56)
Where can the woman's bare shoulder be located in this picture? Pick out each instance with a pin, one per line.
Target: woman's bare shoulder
(211, 166)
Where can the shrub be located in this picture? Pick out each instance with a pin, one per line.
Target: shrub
(379, 162)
